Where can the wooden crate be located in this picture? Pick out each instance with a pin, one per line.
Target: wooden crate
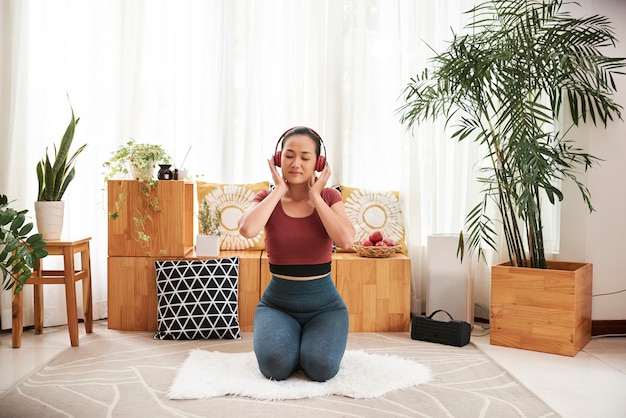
(132, 301)
(133, 298)
(377, 291)
(171, 229)
(546, 310)
(249, 285)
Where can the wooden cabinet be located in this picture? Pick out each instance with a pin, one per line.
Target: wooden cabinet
(132, 302)
(249, 291)
(171, 229)
(132, 294)
(133, 297)
(377, 291)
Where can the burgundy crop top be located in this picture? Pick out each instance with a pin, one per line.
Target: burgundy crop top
(298, 247)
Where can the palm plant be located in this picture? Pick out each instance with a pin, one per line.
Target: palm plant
(503, 85)
(55, 175)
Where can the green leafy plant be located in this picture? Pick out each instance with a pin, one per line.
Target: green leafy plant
(503, 86)
(55, 175)
(136, 160)
(19, 249)
(209, 219)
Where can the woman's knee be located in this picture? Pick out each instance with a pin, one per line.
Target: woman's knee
(323, 345)
(276, 365)
(320, 367)
(276, 342)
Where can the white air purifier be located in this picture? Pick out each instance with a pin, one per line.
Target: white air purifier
(450, 285)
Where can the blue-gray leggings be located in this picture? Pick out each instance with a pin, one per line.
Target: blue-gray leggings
(300, 324)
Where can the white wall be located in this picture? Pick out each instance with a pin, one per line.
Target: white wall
(600, 237)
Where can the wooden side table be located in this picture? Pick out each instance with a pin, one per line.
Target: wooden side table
(377, 291)
(68, 277)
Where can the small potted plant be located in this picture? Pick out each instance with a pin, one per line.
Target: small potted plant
(54, 175)
(136, 160)
(20, 250)
(208, 238)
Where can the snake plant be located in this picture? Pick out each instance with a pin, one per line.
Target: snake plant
(55, 175)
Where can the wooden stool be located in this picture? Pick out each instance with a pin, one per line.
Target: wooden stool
(68, 277)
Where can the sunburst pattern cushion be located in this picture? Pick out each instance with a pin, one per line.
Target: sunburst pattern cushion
(232, 200)
(370, 210)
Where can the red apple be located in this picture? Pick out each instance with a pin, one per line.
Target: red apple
(376, 236)
(380, 244)
(389, 242)
(367, 243)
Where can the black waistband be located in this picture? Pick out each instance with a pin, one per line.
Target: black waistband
(300, 270)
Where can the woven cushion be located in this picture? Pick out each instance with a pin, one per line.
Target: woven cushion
(197, 299)
(232, 200)
(371, 210)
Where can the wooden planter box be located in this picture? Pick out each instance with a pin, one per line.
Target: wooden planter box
(547, 310)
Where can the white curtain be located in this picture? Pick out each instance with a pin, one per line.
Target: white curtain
(219, 81)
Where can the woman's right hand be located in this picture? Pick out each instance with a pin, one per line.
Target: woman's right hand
(279, 182)
(253, 220)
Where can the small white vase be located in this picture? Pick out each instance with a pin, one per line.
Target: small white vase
(49, 217)
(207, 245)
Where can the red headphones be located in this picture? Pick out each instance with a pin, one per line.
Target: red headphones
(321, 159)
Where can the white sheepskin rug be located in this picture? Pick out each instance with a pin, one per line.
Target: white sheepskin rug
(210, 374)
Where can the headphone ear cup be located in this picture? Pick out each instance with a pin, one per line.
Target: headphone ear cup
(277, 158)
(321, 163)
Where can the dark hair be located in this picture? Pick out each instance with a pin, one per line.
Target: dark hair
(303, 130)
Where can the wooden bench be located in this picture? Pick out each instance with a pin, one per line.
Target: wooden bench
(376, 290)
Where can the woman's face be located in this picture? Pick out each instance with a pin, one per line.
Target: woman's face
(298, 158)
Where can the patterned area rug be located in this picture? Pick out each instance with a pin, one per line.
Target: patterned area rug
(128, 374)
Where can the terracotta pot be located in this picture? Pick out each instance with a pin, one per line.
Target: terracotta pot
(547, 310)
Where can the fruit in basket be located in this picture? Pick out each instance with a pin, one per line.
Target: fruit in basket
(383, 247)
(389, 242)
(376, 236)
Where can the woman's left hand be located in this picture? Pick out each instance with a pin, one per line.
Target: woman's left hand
(321, 181)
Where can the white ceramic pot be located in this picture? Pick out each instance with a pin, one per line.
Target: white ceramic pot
(137, 174)
(49, 217)
(207, 245)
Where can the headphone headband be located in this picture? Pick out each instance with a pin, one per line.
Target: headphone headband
(311, 131)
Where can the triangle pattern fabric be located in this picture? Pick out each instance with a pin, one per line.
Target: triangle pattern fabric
(197, 299)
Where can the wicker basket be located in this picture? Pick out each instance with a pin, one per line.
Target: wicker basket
(374, 251)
